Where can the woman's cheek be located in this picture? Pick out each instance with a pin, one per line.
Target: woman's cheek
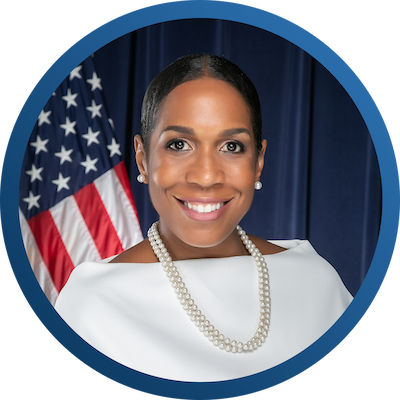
(243, 174)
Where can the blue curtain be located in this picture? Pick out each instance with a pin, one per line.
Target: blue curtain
(321, 177)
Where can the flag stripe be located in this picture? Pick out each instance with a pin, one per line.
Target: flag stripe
(73, 230)
(98, 221)
(35, 259)
(51, 248)
(119, 208)
(120, 170)
(72, 145)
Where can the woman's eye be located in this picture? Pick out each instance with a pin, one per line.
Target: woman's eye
(178, 145)
(233, 147)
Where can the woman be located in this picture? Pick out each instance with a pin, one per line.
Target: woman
(153, 307)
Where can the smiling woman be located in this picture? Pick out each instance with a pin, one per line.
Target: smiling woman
(202, 153)
(202, 156)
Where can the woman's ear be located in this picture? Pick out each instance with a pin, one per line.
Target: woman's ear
(260, 159)
(141, 157)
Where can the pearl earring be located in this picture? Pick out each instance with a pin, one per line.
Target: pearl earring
(140, 178)
(258, 185)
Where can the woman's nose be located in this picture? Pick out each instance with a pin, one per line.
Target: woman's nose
(206, 169)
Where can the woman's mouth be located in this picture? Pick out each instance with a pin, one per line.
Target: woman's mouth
(203, 210)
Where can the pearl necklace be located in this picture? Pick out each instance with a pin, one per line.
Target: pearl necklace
(199, 319)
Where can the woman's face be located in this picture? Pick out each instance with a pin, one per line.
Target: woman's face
(201, 164)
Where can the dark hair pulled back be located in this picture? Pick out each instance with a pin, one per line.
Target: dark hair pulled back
(192, 67)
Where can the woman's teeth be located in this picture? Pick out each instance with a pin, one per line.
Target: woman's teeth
(203, 208)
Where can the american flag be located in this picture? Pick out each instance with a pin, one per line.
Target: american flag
(75, 200)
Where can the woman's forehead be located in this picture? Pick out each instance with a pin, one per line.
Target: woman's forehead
(205, 101)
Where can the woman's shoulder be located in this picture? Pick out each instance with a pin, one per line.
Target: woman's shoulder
(142, 253)
(95, 274)
(266, 247)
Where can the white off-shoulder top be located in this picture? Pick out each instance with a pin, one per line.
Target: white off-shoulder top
(130, 312)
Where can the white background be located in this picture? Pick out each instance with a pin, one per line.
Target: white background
(34, 34)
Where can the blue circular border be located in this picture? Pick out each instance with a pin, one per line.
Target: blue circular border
(99, 38)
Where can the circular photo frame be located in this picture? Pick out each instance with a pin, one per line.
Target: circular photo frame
(141, 19)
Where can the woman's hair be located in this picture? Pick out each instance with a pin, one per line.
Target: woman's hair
(192, 67)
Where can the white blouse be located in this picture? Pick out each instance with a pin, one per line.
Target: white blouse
(130, 312)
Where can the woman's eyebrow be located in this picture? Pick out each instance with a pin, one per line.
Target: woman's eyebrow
(234, 131)
(189, 131)
(180, 129)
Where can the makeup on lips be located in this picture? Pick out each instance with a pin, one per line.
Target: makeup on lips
(201, 210)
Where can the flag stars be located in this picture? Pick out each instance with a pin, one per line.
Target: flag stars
(35, 173)
(70, 98)
(95, 109)
(89, 164)
(64, 155)
(44, 117)
(40, 145)
(61, 182)
(95, 81)
(114, 148)
(33, 201)
(69, 126)
(91, 136)
(75, 73)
